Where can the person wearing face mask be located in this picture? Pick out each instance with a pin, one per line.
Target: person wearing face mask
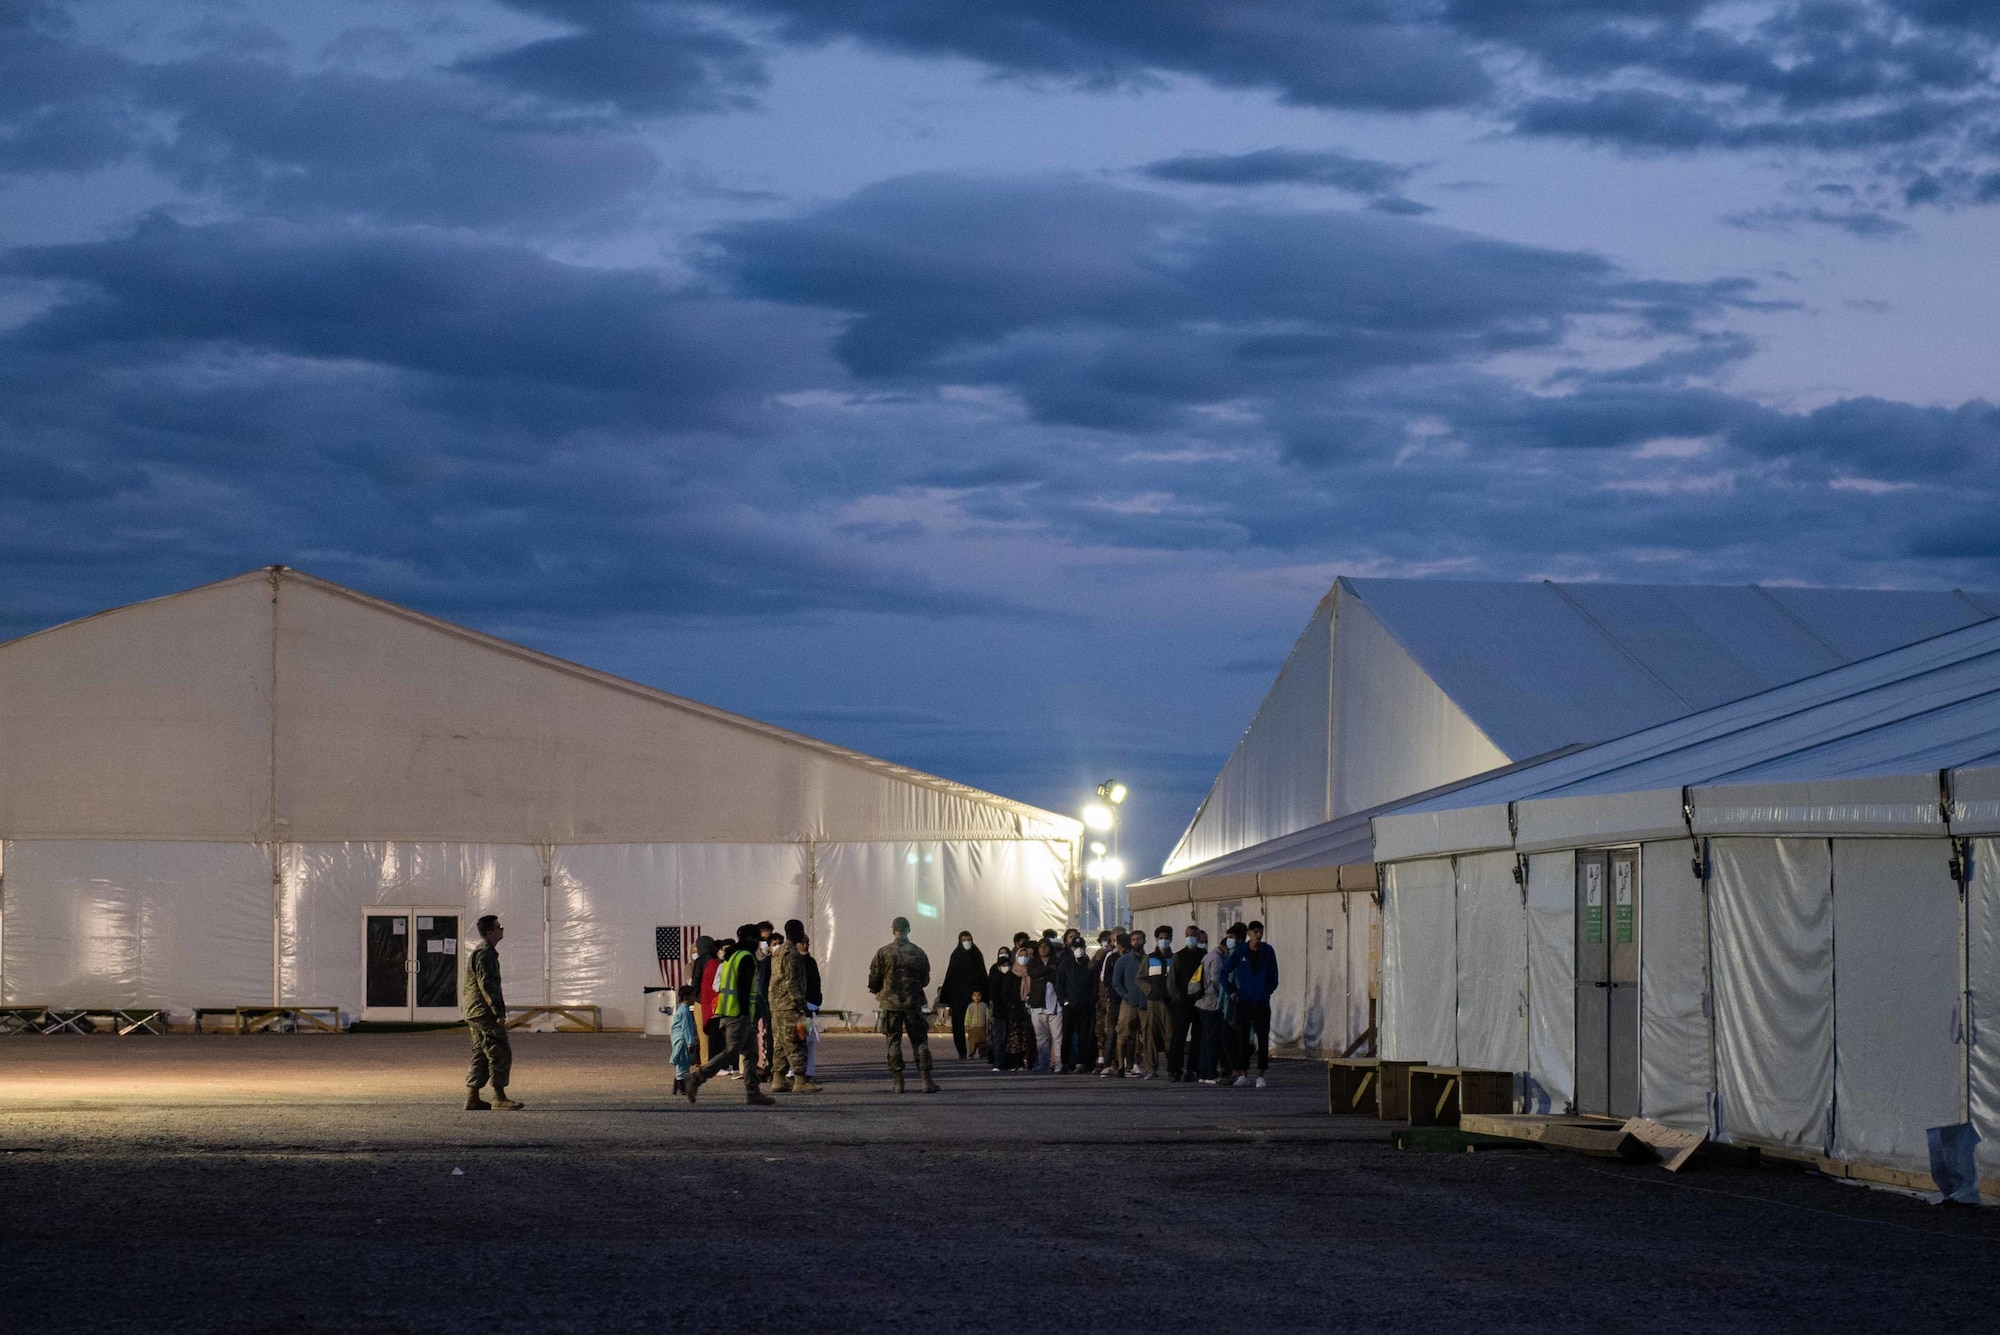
(764, 948)
(1077, 989)
(1045, 1005)
(1252, 976)
(1000, 982)
(1159, 1001)
(1183, 985)
(965, 974)
(1209, 1012)
(1109, 947)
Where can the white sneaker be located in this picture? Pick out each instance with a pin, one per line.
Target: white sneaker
(1211, 1082)
(1260, 1082)
(1241, 1081)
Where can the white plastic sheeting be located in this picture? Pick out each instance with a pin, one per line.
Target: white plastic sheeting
(326, 887)
(1275, 781)
(1492, 964)
(1982, 960)
(1904, 804)
(1419, 963)
(1608, 818)
(1285, 919)
(1771, 916)
(178, 925)
(1674, 1038)
(1551, 915)
(1896, 999)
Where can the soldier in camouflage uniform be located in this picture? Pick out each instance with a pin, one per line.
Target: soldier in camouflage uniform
(897, 976)
(788, 1013)
(486, 1019)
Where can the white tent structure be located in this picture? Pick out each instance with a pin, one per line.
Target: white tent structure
(271, 789)
(1776, 921)
(1400, 686)
(1406, 689)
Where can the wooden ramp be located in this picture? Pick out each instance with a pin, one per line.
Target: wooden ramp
(1602, 1137)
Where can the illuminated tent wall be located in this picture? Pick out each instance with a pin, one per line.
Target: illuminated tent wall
(199, 795)
(1401, 686)
(1817, 925)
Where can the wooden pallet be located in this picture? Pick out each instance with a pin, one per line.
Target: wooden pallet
(1351, 1085)
(582, 1018)
(1600, 1137)
(1442, 1095)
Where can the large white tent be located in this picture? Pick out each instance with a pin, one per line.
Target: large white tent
(1400, 686)
(1776, 922)
(213, 798)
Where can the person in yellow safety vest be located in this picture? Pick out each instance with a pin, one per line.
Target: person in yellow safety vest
(736, 1007)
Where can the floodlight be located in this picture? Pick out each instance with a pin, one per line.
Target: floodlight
(1094, 869)
(1112, 791)
(1098, 816)
(1097, 847)
(1117, 793)
(1114, 870)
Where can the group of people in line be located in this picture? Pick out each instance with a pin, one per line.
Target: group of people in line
(1133, 1007)
(1130, 1008)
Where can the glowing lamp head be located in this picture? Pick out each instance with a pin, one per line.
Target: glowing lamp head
(1097, 816)
(1114, 870)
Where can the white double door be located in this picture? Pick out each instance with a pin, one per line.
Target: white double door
(410, 962)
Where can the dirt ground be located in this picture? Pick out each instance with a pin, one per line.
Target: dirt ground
(331, 1183)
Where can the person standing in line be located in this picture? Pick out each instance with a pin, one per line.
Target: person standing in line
(964, 975)
(1045, 1005)
(808, 968)
(485, 1006)
(897, 976)
(999, 979)
(978, 1020)
(768, 942)
(1078, 993)
(1183, 1036)
(736, 1008)
(788, 1013)
(1129, 978)
(1208, 1012)
(698, 974)
(1020, 1024)
(1159, 1003)
(1253, 976)
(1110, 945)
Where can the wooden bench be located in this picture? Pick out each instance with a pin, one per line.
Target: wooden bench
(1440, 1094)
(268, 1019)
(123, 1019)
(1351, 1084)
(1392, 1089)
(582, 1018)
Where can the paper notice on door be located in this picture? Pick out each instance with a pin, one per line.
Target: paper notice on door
(398, 926)
(424, 924)
(433, 947)
(450, 945)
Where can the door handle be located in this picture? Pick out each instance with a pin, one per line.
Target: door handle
(1604, 984)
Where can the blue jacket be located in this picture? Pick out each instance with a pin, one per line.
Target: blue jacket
(1125, 980)
(1253, 980)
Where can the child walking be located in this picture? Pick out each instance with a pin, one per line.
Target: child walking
(685, 1037)
(976, 1021)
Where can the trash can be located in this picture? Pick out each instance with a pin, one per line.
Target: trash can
(659, 1009)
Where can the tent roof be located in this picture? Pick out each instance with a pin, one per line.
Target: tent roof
(298, 679)
(1913, 710)
(1539, 666)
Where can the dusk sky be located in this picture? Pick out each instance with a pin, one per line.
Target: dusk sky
(991, 385)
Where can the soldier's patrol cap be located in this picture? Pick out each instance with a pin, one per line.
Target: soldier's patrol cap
(900, 925)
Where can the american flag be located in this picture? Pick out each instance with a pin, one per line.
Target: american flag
(675, 946)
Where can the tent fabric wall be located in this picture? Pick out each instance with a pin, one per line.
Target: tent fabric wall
(1419, 963)
(1551, 921)
(1900, 804)
(107, 923)
(1323, 960)
(1771, 919)
(1675, 1070)
(325, 888)
(148, 722)
(1285, 920)
(1492, 964)
(1897, 1004)
(1982, 1022)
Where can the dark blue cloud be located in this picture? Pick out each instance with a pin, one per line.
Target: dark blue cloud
(625, 56)
(1282, 166)
(60, 103)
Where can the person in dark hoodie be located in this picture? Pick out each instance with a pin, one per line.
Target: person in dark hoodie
(1000, 982)
(965, 975)
(1252, 976)
(1160, 1006)
(1045, 1005)
(698, 972)
(1076, 986)
(1128, 977)
(1183, 1039)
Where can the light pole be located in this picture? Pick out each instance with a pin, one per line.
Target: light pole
(1102, 815)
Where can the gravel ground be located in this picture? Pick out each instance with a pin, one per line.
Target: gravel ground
(307, 1184)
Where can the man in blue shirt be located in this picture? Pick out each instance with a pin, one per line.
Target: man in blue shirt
(1251, 978)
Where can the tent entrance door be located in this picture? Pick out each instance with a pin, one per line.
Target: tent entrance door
(1607, 982)
(409, 964)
